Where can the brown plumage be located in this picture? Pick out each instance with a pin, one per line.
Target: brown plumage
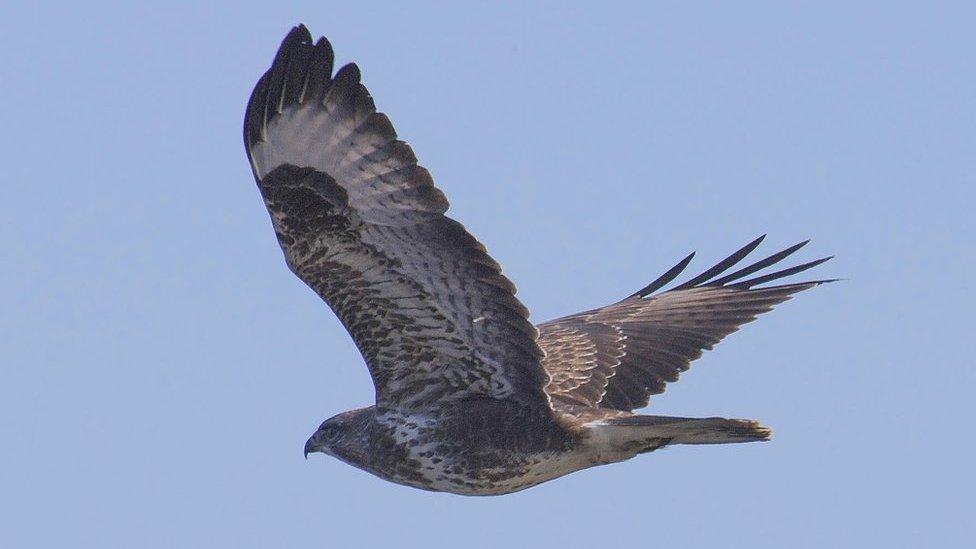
(617, 356)
(470, 397)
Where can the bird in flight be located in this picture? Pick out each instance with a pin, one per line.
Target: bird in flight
(471, 398)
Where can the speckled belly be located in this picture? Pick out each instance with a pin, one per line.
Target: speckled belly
(496, 473)
(473, 455)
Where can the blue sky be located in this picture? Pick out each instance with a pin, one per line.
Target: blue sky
(162, 368)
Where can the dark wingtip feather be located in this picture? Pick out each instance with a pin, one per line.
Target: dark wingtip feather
(268, 87)
(759, 265)
(350, 72)
(747, 284)
(723, 265)
(293, 84)
(672, 273)
(253, 115)
(297, 35)
(300, 69)
(319, 72)
(705, 279)
(276, 76)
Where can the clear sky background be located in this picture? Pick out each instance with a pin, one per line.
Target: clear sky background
(161, 367)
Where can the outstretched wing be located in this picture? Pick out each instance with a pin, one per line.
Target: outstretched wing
(618, 356)
(363, 225)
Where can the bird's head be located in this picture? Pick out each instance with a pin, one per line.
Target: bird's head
(341, 435)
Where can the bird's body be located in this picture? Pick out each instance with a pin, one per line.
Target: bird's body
(481, 447)
(471, 398)
(491, 447)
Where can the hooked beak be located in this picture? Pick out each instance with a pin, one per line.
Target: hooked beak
(309, 447)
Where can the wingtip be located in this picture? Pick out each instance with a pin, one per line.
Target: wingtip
(350, 72)
(799, 245)
(297, 35)
(722, 266)
(301, 31)
(752, 282)
(664, 279)
(708, 277)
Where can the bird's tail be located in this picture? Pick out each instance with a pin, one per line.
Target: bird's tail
(684, 430)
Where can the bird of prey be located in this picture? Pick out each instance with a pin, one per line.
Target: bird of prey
(471, 398)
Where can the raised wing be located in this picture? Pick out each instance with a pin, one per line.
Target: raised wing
(618, 356)
(363, 225)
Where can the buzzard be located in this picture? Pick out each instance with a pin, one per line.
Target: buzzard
(471, 398)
